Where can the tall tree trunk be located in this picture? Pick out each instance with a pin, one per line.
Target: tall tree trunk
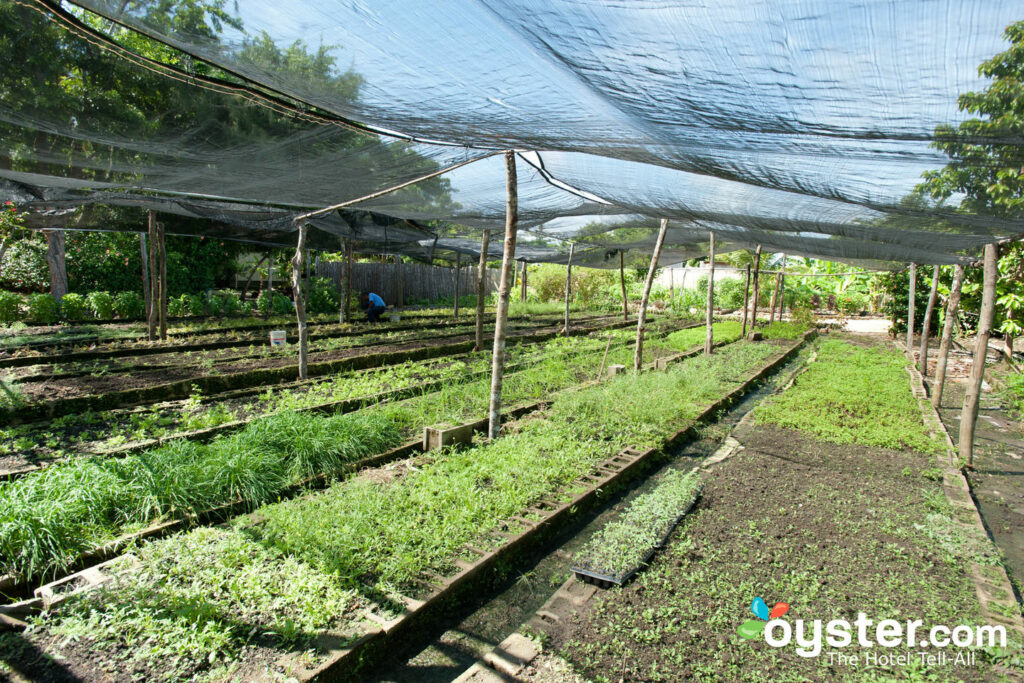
(947, 334)
(504, 289)
(300, 304)
(163, 280)
(568, 286)
(933, 295)
(458, 277)
(146, 293)
(746, 302)
(56, 261)
(709, 338)
(757, 287)
(911, 308)
(622, 283)
(969, 412)
(481, 287)
(523, 293)
(641, 322)
(154, 277)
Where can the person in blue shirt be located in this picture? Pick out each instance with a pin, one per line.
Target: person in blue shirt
(373, 305)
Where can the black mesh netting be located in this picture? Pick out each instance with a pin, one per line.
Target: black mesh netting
(800, 126)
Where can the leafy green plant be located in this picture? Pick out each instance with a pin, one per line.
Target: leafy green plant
(129, 306)
(102, 305)
(323, 296)
(42, 308)
(74, 307)
(785, 330)
(194, 304)
(10, 304)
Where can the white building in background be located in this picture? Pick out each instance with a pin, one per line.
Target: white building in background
(681, 277)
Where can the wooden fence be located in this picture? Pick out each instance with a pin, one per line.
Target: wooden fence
(398, 283)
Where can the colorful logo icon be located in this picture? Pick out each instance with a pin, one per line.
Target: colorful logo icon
(752, 628)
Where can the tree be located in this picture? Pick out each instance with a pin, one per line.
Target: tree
(986, 167)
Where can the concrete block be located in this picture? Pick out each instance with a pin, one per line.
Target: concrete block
(511, 655)
(615, 370)
(446, 435)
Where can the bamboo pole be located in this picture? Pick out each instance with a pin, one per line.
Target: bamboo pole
(300, 304)
(746, 302)
(501, 318)
(757, 287)
(911, 308)
(622, 282)
(458, 275)
(163, 280)
(481, 286)
(709, 338)
(969, 412)
(933, 295)
(947, 334)
(568, 286)
(154, 280)
(642, 314)
(146, 293)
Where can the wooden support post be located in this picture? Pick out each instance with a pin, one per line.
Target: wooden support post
(911, 308)
(782, 288)
(154, 278)
(300, 303)
(162, 254)
(771, 304)
(671, 286)
(568, 287)
(57, 261)
(641, 321)
(481, 288)
(523, 294)
(622, 282)
(348, 280)
(969, 412)
(144, 253)
(746, 302)
(709, 338)
(458, 275)
(309, 265)
(501, 318)
(757, 287)
(399, 283)
(947, 334)
(933, 295)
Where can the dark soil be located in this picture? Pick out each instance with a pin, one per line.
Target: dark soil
(827, 529)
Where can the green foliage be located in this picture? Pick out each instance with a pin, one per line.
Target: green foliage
(684, 340)
(10, 304)
(102, 305)
(785, 330)
(129, 305)
(324, 297)
(728, 293)
(74, 307)
(42, 308)
(193, 304)
(620, 548)
(853, 394)
(272, 302)
(896, 287)
(47, 519)
(24, 267)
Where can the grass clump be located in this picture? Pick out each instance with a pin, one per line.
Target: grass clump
(619, 549)
(784, 330)
(49, 518)
(684, 340)
(853, 394)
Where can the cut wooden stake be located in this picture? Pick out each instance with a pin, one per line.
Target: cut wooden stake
(604, 357)
(568, 287)
(774, 300)
(622, 282)
(969, 412)
(523, 294)
(911, 308)
(746, 302)
(709, 338)
(757, 287)
(933, 295)
(300, 304)
(144, 253)
(481, 288)
(782, 287)
(947, 334)
(501, 319)
(642, 314)
(154, 279)
(458, 275)
(348, 281)
(162, 255)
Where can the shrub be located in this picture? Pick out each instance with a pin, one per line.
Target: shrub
(175, 307)
(10, 304)
(231, 304)
(129, 305)
(74, 307)
(193, 304)
(323, 297)
(102, 305)
(42, 308)
(265, 301)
